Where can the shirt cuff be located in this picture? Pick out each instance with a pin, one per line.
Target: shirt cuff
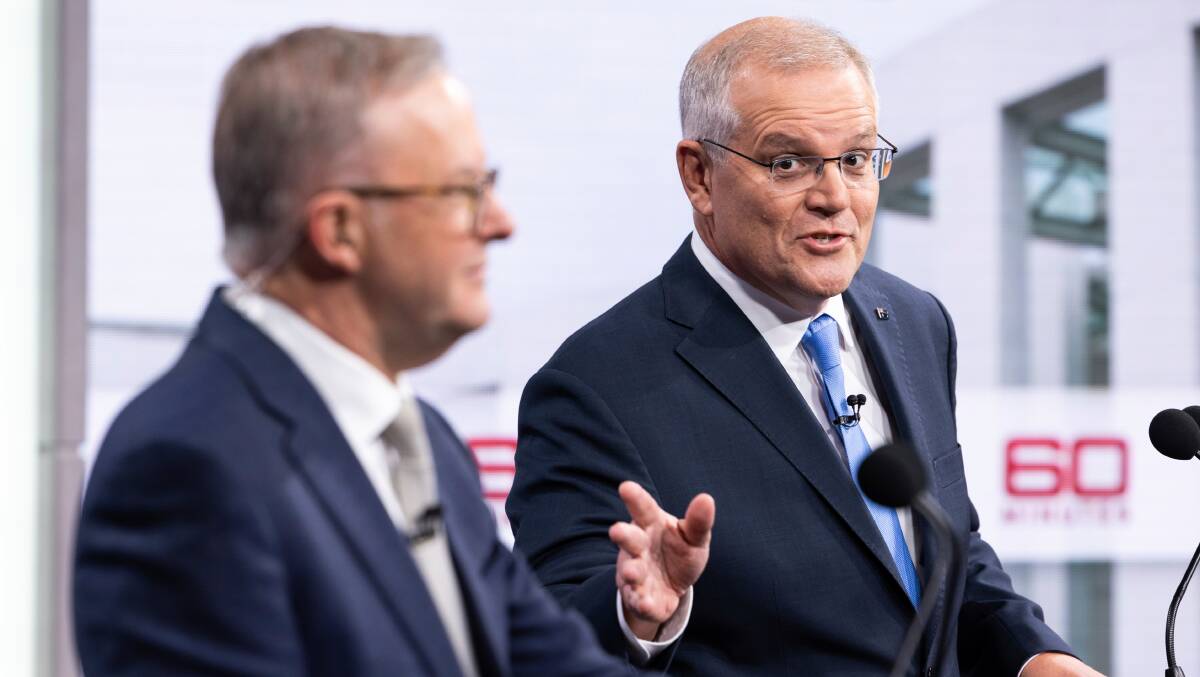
(642, 650)
(1026, 663)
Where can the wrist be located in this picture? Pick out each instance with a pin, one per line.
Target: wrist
(644, 629)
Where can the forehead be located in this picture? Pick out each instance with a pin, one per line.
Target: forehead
(820, 107)
(427, 130)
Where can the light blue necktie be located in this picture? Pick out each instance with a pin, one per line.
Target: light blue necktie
(822, 344)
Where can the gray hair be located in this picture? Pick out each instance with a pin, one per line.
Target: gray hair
(289, 117)
(775, 43)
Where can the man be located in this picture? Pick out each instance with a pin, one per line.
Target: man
(730, 372)
(279, 503)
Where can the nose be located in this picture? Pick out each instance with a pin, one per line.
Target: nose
(829, 195)
(494, 221)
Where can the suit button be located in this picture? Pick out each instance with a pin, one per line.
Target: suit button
(928, 672)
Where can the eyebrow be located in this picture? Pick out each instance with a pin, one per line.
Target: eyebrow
(786, 142)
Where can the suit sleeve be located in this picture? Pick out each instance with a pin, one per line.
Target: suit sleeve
(571, 456)
(176, 572)
(543, 638)
(998, 629)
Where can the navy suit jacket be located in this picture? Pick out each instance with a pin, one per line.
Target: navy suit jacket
(675, 388)
(229, 529)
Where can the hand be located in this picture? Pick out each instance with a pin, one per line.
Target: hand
(1057, 665)
(660, 556)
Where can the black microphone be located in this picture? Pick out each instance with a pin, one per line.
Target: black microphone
(855, 402)
(1176, 434)
(1194, 412)
(426, 524)
(894, 476)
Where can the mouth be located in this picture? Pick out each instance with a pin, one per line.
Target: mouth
(477, 272)
(825, 242)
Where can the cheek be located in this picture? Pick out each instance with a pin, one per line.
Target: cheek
(863, 204)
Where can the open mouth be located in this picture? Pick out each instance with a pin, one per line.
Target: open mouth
(825, 244)
(827, 238)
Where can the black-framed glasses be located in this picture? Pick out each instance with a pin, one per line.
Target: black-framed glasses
(799, 172)
(475, 192)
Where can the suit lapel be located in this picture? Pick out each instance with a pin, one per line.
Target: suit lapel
(327, 464)
(338, 480)
(487, 621)
(726, 349)
(883, 343)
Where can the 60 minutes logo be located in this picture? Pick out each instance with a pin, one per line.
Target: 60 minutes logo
(1051, 480)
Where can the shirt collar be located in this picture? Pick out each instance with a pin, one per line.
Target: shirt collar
(362, 400)
(780, 325)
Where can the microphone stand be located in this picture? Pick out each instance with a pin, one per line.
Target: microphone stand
(942, 528)
(1173, 669)
(929, 508)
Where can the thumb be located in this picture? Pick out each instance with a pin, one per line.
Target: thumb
(696, 525)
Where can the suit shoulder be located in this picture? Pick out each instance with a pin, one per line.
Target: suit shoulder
(886, 282)
(201, 403)
(899, 290)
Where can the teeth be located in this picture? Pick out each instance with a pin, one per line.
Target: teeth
(823, 238)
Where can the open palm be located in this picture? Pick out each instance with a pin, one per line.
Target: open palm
(660, 556)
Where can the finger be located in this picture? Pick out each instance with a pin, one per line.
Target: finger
(640, 503)
(629, 537)
(632, 572)
(630, 597)
(696, 526)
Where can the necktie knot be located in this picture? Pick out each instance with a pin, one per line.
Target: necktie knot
(822, 343)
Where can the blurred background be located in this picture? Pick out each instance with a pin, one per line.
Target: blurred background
(1046, 190)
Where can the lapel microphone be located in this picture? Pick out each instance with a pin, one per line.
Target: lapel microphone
(855, 402)
(426, 525)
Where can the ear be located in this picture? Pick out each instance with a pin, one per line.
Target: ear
(335, 222)
(695, 171)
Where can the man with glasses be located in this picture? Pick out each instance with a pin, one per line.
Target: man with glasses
(279, 502)
(762, 366)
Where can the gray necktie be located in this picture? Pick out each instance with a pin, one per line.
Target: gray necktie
(414, 478)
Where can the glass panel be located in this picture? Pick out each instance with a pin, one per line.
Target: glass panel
(1089, 598)
(908, 188)
(1066, 178)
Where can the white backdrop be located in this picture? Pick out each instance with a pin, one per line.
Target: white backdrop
(577, 103)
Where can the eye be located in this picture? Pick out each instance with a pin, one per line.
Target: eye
(787, 167)
(856, 160)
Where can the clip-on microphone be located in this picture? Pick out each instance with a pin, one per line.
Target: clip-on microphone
(855, 402)
(426, 525)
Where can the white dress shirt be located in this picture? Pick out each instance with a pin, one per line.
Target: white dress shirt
(364, 403)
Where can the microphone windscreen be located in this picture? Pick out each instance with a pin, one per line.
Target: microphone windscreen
(1194, 412)
(892, 475)
(1175, 433)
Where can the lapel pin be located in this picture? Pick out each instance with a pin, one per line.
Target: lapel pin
(881, 313)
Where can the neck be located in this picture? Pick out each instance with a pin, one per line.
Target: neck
(337, 310)
(805, 306)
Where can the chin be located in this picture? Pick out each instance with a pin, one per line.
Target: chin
(823, 287)
(471, 319)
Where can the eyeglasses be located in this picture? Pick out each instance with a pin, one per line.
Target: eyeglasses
(475, 192)
(791, 173)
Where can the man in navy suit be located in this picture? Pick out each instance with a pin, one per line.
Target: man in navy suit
(730, 373)
(279, 502)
